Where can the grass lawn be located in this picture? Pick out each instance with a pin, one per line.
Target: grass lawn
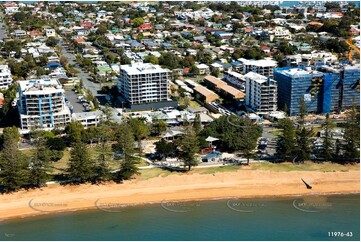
(60, 165)
(142, 163)
(155, 172)
(279, 167)
(307, 166)
(194, 104)
(276, 132)
(211, 170)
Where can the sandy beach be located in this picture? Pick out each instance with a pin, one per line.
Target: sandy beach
(176, 187)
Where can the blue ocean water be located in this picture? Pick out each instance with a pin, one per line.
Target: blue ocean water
(287, 219)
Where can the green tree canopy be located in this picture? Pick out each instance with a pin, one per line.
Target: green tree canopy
(13, 165)
(188, 148)
(286, 141)
(230, 132)
(81, 168)
(137, 22)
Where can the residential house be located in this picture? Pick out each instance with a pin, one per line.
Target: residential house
(19, 34)
(145, 27)
(50, 32)
(35, 33)
(203, 69)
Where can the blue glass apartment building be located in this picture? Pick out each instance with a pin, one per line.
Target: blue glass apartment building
(324, 88)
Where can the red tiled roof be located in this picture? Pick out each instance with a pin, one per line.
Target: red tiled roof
(337, 13)
(35, 33)
(86, 24)
(315, 23)
(145, 26)
(13, 4)
(79, 40)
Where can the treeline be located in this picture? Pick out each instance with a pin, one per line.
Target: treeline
(296, 141)
(235, 134)
(91, 151)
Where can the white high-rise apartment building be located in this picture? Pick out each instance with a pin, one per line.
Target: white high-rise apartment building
(143, 83)
(42, 105)
(261, 93)
(263, 67)
(5, 77)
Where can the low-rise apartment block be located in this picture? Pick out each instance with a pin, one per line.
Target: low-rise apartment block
(88, 119)
(310, 59)
(235, 79)
(5, 77)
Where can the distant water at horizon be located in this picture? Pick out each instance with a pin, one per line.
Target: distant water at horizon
(298, 218)
(292, 3)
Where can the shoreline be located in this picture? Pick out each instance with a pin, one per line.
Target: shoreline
(176, 188)
(85, 209)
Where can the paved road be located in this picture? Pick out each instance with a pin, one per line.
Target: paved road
(272, 140)
(3, 33)
(85, 78)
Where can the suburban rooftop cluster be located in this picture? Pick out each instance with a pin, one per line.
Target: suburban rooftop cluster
(146, 48)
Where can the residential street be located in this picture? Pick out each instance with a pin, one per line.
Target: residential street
(85, 78)
(3, 34)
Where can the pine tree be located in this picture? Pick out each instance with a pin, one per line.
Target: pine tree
(303, 111)
(303, 134)
(249, 143)
(352, 135)
(188, 145)
(197, 124)
(285, 109)
(102, 170)
(126, 144)
(39, 162)
(13, 165)
(303, 143)
(286, 141)
(81, 168)
(327, 139)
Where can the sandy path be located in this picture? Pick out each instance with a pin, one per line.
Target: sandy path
(243, 183)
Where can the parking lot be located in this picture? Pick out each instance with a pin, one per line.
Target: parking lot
(74, 101)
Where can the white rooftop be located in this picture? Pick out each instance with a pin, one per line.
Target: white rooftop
(293, 72)
(40, 86)
(256, 77)
(87, 115)
(142, 68)
(264, 62)
(235, 74)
